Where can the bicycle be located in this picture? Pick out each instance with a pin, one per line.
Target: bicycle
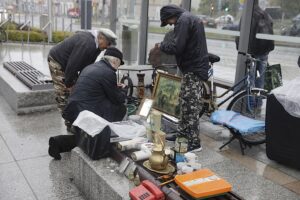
(246, 99)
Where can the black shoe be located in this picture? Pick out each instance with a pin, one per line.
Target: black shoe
(194, 148)
(53, 150)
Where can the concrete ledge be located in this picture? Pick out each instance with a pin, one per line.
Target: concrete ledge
(23, 100)
(95, 180)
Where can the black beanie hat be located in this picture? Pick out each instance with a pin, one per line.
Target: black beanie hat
(169, 11)
(113, 51)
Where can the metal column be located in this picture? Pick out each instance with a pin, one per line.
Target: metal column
(143, 36)
(50, 20)
(244, 39)
(86, 14)
(113, 15)
(186, 4)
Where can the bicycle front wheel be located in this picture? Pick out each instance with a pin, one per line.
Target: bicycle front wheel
(253, 105)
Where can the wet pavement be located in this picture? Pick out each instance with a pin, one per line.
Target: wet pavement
(27, 172)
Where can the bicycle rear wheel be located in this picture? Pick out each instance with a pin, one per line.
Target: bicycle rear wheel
(205, 97)
(253, 105)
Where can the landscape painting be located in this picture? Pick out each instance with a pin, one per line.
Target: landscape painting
(166, 94)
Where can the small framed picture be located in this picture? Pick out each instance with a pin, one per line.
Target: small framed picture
(145, 107)
(166, 94)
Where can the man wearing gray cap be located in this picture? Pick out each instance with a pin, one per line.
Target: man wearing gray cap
(97, 91)
(69, 57)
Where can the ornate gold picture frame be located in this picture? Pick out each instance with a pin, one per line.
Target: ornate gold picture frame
(166, 94)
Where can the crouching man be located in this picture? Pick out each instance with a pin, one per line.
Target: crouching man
(96, 90)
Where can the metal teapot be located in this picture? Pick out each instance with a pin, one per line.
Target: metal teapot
(158, 160)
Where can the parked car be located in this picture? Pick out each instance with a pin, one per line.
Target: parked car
(232, 27)
(296, 19)
(293, 30)
(208, 21)
(74, 13)
(225, 19)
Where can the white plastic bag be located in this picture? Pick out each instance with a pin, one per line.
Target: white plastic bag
(289, 97)
(93, 124)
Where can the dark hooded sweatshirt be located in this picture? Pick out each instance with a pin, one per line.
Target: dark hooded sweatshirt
(75, 53)
(189, 44)
(96, 90)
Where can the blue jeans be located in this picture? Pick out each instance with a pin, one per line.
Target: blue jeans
(261, 65)
(258, 82)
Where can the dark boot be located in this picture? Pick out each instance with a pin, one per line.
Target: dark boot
(60, 144)
(53, 150)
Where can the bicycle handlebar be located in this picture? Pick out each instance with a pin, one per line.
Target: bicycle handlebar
(249, 57)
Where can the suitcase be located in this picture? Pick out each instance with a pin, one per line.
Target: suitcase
(282, 134)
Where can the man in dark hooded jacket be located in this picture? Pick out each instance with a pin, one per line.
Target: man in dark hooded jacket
(259, 48)
(68, 58)
(96, 90)
(190, 49)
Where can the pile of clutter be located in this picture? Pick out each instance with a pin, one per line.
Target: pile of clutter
(145, 142)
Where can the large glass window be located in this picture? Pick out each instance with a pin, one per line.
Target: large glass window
(286, 18)
(221, 18)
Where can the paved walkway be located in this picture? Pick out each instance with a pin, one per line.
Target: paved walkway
(27, 172)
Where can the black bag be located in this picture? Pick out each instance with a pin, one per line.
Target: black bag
(273, 77)
(264, 26)
(95, 147)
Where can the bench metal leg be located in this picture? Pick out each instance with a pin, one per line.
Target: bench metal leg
(229, 141)
(242, 146)
(239, 138)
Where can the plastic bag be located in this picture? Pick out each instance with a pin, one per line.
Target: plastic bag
(289, 98)
(93, 124)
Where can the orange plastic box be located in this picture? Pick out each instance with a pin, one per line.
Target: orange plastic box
(202, 183)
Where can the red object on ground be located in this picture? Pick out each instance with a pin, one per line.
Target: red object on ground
(146, 191)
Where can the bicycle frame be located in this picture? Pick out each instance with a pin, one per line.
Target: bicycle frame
(242, 85)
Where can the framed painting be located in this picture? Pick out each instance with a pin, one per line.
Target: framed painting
(166, 94)
(145, 107)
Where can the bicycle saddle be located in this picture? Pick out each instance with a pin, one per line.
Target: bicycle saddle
(213, 58)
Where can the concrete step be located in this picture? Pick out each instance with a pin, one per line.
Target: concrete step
(23, 100)
(98, 179)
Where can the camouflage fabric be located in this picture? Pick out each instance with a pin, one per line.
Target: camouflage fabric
(61, 91)
(191, 105)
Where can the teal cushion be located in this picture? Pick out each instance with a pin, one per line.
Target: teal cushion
(244, 125)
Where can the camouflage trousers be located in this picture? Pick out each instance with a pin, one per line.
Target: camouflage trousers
(190, 105)
(61, 91)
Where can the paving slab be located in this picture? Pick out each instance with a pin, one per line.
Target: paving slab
(28, 136)
(5, 155)
(13, 185)
(49, 178)
(250, 185)
(209, 157)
